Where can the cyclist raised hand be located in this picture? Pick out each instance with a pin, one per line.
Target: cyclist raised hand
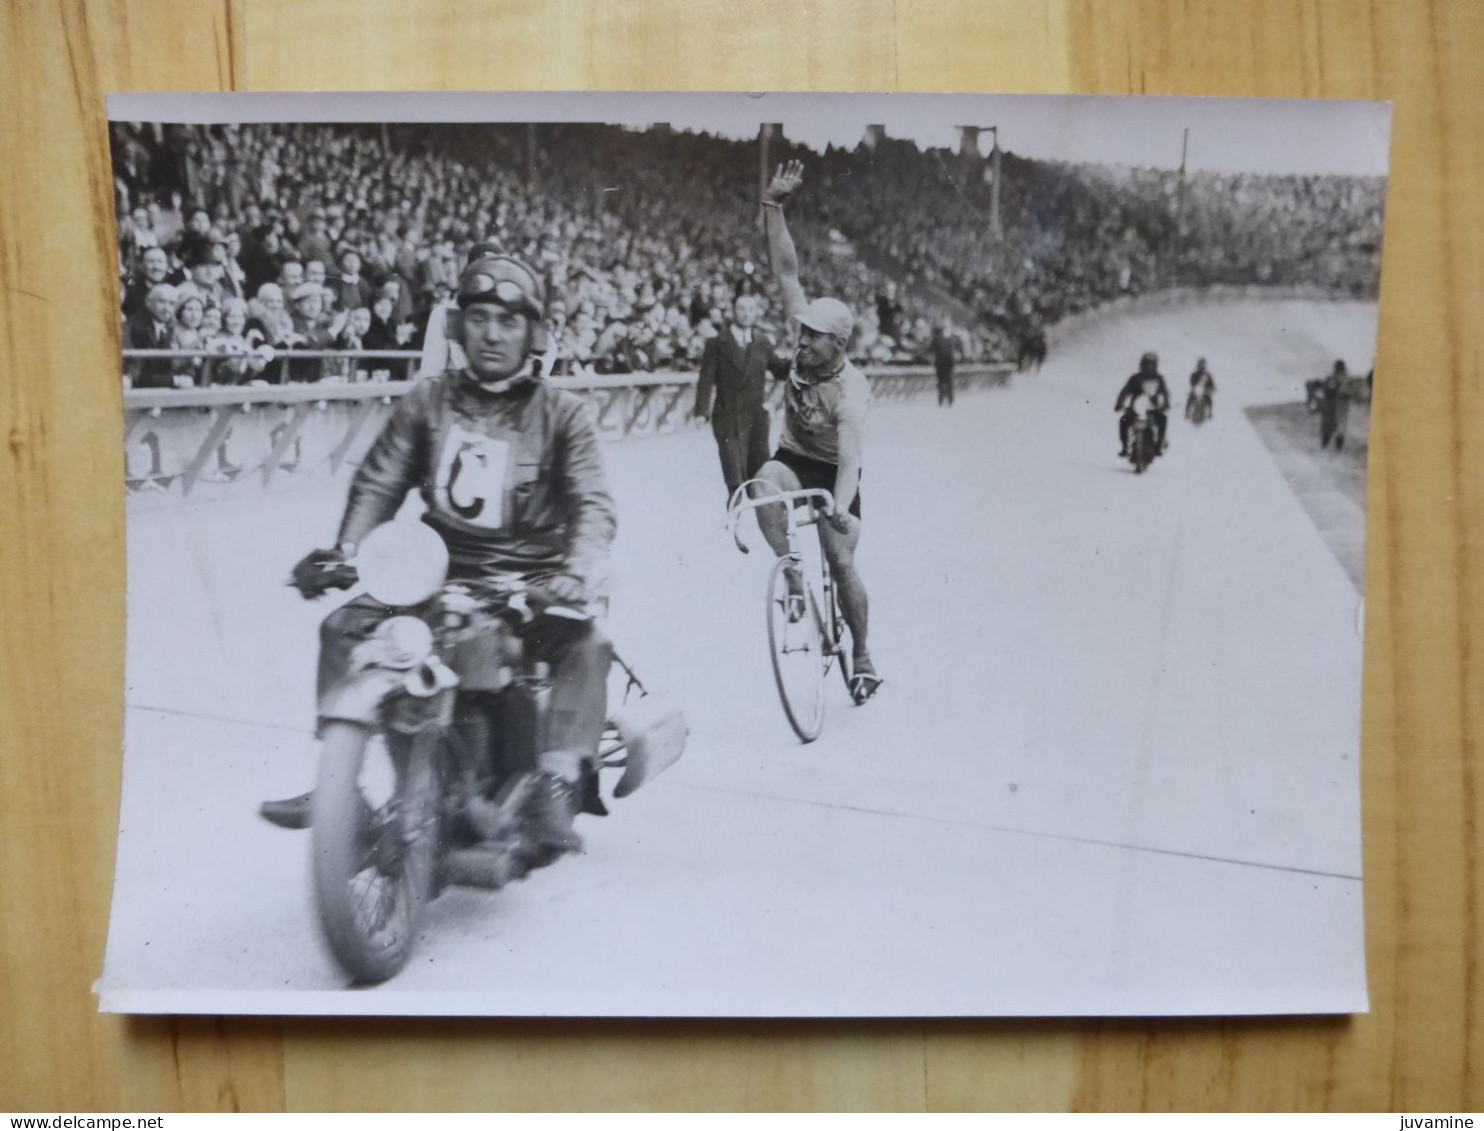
(824, 412)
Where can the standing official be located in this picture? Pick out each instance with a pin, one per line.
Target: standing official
(734, 370)
(941, 348)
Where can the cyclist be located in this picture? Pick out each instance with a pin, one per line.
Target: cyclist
(1202, 384)
(824, 412)
(1148, 370)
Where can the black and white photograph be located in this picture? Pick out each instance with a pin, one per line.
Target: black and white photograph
(743, 555)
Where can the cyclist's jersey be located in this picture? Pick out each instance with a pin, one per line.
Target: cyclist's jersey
(815, 415)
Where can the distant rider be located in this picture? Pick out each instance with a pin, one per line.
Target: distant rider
(1159, 403)
(1202, 384)
(511, 472)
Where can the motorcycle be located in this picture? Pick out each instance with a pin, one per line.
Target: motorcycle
(1141, 443)
(429, 747)
(1200, 408)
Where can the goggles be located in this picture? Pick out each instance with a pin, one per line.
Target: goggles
(495, 285)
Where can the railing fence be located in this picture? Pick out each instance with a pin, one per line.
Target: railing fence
(213, 441)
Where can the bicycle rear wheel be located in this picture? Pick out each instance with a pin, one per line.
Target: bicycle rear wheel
(799, 655)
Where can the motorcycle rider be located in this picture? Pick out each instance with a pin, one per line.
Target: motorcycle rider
(1202, 384)
(1159, 403)
(511, 472)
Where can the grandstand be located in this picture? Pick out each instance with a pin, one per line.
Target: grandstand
(647, 235)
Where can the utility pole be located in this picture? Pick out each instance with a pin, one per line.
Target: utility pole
(972, 155)
(1180, 205)
(994, 188)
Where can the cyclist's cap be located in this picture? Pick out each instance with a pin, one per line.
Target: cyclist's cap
(502, 281)
(828, 316)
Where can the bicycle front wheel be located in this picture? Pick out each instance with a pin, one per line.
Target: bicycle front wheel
(799, 654)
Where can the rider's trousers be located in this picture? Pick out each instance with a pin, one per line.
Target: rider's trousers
(742, 444)
(578, 652)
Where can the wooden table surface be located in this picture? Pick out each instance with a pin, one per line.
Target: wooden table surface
(62, 545)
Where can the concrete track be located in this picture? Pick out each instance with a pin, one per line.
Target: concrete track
(1114, 768)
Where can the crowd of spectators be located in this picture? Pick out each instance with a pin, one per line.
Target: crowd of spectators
(238, 242)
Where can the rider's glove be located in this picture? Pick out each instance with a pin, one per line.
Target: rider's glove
(565, 589)
(320, 571)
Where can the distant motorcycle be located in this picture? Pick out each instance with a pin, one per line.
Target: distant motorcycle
(429, 749)
(1142, 445)
(1200, 408)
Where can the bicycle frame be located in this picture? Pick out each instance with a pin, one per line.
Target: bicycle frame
(821, 505)
(802, 508)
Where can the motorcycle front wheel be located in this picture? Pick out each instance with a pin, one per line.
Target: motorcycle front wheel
(375, 845)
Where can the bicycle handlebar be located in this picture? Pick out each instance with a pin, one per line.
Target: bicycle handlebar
(743, 500)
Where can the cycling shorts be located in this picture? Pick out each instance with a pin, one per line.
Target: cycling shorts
(815, 474)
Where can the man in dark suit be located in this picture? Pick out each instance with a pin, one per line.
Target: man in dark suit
(734, 367)
(152, 329)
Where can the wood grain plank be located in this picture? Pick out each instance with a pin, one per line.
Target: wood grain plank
(625, 1066)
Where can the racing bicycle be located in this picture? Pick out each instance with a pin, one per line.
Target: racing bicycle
(806, 631)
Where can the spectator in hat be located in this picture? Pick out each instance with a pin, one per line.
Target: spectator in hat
(261, 259)
(190, 312)
(203, 276)
(314, 243)
(310, 319)
(312, 331)
(195, 238)
(349, 289)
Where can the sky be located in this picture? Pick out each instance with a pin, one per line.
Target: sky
(1226, 135)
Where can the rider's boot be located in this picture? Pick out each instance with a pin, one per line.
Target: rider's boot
(553, 809)
(289, 813)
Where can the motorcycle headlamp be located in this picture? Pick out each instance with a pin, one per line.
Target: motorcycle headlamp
(402, 563)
